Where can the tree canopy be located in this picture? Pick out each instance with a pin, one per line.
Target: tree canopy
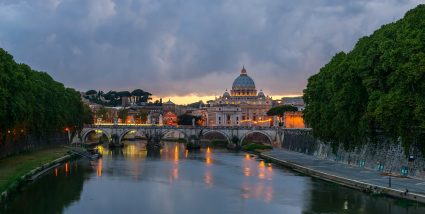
(280, 110)
(378, 87)
(186, 119)
(114, 98)
(32, 102)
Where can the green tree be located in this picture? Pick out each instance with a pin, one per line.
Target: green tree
(186, 119)
(102, 113)
(31, 102)
(378, 87)
(122, 114)
(280, 110)
(142, 114)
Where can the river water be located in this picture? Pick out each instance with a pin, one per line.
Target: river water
(213, 181)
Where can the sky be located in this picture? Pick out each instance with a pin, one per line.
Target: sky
(187, 50)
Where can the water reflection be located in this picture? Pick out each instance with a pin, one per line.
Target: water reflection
(52, 193)
(174, 175)
(260, 188)
(208, 154)
(99, 168)
(175, 180)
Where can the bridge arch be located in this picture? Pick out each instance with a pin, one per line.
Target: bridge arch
(168, 131)
(86, 133)
(259, 132)
(121, 136)
(218, 131)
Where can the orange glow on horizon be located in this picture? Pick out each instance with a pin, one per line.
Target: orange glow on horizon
(191, 98)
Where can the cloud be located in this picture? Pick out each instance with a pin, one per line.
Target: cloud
(181, 47)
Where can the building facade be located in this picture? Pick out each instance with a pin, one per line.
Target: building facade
(242, 106)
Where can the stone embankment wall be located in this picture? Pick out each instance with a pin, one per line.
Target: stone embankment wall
(385, 156)
(14, 144)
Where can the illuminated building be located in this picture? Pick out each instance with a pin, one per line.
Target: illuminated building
(170, 119)
(242, 106)
(294, 119)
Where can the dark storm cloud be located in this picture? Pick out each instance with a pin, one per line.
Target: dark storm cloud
(183, 46)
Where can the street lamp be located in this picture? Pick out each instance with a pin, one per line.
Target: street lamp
(69, 134)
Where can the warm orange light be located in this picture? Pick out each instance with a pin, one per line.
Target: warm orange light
(99, 168)
(269, 166)
(176, 153)
(247, 171)
(186, 153)
(262, 165)
(175, 173)
(247, 156)
(294, 120)
(56, 172)
(66, 129)
(261, 175)
(208, 179)
(66, 168)
(208, 156)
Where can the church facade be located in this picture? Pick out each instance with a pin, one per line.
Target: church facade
(242, 106)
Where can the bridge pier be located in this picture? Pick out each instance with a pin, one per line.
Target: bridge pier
(154, 143)
(115, 142)
(194, 143)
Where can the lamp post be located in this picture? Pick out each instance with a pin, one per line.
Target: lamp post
(69, 134)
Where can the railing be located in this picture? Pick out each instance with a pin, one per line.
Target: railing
(155, 126)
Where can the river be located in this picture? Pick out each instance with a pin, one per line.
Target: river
(215, 181)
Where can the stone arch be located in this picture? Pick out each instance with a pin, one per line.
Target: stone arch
(260, 132)
(220, 132)
(126, 132)
(104, 132)
(167, 131)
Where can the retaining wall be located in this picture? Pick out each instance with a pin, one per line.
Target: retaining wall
(18, 143)
(385, 156)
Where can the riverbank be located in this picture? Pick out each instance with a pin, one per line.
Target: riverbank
(350, 176)
(16, 170)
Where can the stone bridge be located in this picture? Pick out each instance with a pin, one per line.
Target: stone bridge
(234, 135)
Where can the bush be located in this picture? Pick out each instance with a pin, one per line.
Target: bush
(219, 143)
(255, 147)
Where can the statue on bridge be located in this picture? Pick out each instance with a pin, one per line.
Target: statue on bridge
(160, 122)
(149, 121)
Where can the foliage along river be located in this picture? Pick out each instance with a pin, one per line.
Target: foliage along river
(178, 181)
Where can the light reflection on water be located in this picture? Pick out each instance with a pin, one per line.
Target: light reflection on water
(180, 181)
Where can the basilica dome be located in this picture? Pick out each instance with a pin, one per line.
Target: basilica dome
(243, 81)
(243, 85)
